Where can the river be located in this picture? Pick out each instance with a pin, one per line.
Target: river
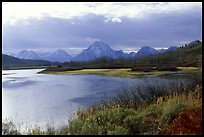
(31, 99)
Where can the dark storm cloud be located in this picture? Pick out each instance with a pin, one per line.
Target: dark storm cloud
(156, 30)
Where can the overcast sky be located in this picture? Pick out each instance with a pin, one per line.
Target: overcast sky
(74, 26)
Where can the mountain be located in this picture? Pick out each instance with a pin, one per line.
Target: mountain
(162, 50)
(171, 48)
(24, 54)
(96, 50)
(194, 43)
(146, 51)
(190, 55)
(132, 53)
(10, 62)
(186, 56)
(57, 56)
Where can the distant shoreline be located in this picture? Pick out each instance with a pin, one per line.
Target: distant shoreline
(124, 72)
(20, 68)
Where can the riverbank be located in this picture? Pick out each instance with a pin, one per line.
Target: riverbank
(124, 72)
(177, 114)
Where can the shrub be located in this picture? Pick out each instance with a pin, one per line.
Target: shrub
(133, 124)
(8, 128)
(189, 122)
(166, 68)
(170, 112)
(90, 128)
(118, 131)
(74, 127)
(143, 69)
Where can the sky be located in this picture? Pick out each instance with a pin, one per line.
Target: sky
(127, 26)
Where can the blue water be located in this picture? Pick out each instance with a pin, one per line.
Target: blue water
(41, 99)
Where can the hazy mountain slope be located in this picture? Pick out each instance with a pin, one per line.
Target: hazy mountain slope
(96, 50)
(9, 62)
(24, 54)
(189, 55)
(146, 51)
(57, 56)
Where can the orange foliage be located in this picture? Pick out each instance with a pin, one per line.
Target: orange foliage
(188, 122)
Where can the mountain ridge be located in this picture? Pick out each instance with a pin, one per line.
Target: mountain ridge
(96, 50)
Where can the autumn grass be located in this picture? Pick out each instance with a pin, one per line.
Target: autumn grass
(148, 119)
(182, 125)
(123, 72)
(188, 69)
(134, 113)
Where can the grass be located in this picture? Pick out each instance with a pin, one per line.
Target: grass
(188, 69)
(122, 116)
(123, 72)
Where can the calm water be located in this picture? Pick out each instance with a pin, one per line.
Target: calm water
(31, 98)
(42, 99)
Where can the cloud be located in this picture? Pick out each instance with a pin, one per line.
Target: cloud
(114, 20)
(158, 25)
(13, 11)
(118, 20)
(91, 40)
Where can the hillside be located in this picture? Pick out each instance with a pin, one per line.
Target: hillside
(9, 62)
(189, 55)
(56, 56)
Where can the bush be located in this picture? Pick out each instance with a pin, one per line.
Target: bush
(8, 128)
(170, 112)
(143, 69)
(166, 68)
(74, 127)
(189, 122)
(118, 131)
(90, 128)
(133, 124)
